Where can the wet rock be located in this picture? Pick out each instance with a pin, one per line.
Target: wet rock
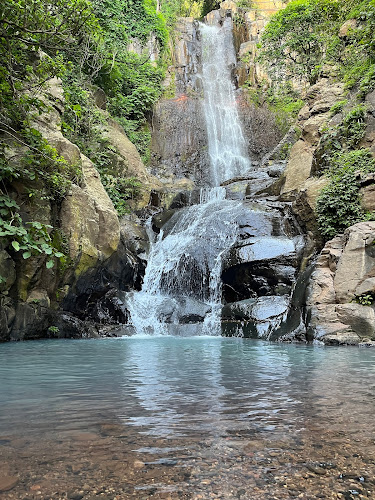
(265, 248)
(367, 343)
(162, 218)
(70, 326)
(260, 129)
(31, 321)
(7, 271)
(258, 316)
(74, 495)
(266, 255)
(98, 295)
(179, 140)
(259, 309)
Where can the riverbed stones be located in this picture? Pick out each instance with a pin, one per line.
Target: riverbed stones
(7, 483)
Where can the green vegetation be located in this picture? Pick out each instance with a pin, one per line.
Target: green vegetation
(297, 38)
(343, 137)
(171, 9)
(282, 100)
(305, 40)
(338, 106)
(365, 299)
(302, 38)
(32, 238)
(338, 205)
(87, 45)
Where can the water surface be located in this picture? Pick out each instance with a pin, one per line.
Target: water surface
(199, 417)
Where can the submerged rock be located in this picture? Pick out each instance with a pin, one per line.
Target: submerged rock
(259, 317)
(7, 483)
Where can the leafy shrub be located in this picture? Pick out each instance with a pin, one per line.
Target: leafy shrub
(365, 299)
(338, 106)
(338, 205)
(296, 38)
(121, 189)
(32, 238)
(343, 137)
(282, 100)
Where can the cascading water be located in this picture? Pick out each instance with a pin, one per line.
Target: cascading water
(226, 143)
(182, 282)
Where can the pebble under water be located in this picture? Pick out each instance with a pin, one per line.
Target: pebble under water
(185, 418)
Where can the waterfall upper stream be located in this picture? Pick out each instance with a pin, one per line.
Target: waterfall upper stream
(226, 143)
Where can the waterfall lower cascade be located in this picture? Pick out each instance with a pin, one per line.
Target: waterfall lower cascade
(182, 283)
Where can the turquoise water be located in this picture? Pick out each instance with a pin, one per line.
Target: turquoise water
(218, 417)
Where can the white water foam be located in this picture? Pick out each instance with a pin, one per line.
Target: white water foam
(226, 142)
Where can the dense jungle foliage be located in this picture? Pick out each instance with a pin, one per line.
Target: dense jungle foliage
(86, 44)
(303, 43)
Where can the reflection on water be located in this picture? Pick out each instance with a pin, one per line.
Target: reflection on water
(186, 418)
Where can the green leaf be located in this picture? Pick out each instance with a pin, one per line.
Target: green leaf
(26, 255)
(59, 254)
(15, 245)
(49, 264)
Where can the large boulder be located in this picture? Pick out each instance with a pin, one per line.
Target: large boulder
(340, 287)
(299, 167)
(260, 270)
(98, 293)
(90, 221)
(127, 162)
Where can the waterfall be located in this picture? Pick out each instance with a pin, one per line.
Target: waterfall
(182, 283)
(226, 143)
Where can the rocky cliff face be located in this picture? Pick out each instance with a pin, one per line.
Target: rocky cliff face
(93, 238)
(340, 294)
(341, 288)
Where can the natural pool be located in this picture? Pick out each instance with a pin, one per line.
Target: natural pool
(186, 418)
